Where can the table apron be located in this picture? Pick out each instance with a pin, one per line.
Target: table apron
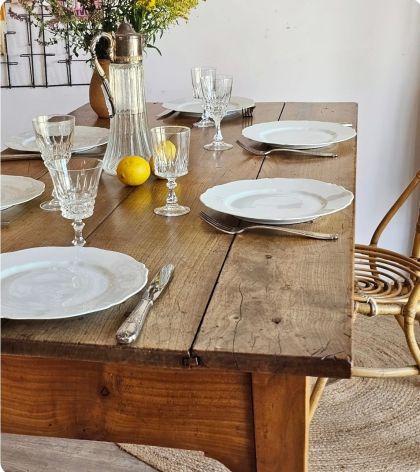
(228, 415)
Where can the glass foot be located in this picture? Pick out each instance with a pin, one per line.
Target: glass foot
(51, 205)
(218, 146)
(172, 210)
(207, 123)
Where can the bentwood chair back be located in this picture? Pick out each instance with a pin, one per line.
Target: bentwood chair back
(386, 283)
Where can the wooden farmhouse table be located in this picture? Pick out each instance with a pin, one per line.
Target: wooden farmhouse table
(222, 363)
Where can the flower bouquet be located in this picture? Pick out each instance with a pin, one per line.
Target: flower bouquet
(79, 21)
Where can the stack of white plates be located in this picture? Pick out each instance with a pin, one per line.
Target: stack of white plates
(194, 106)
(299, 134)
(277, 201)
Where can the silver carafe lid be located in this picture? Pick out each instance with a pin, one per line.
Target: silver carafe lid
(127, 49)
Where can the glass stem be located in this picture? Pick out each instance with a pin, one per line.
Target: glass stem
(218, 136)
(54, 198)
(78, 226)
(171, 198)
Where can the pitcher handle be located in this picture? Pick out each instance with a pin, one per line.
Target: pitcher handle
(99, 69)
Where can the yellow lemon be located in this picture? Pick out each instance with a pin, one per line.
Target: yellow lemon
(168, 149)
(133, 170)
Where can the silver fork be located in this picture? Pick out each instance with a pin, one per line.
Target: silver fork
(248, 112)
(236, 230)
(307, 152)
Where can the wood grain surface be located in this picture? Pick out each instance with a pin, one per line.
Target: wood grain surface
(289, 300)
(281, 400)
(33, 453)
(257, 302)
(181, 408)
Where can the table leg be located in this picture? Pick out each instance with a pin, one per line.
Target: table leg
(281, 422)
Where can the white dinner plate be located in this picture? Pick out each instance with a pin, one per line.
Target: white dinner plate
(277, 201)
(299, 134)
(17, 189)
(194, 105)
(61, 282)
(85, 137)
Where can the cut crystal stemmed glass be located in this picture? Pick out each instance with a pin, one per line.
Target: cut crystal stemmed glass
(196, 74)
(216, 94)
(170, 149)
(76, 185)
(54, 137)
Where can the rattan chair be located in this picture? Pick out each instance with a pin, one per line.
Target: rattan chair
(386, 283)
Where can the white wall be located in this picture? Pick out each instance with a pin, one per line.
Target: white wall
(19, 105)
(298, 50)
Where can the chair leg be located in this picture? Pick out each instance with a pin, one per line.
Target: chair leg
(316, 395)
(400, 320)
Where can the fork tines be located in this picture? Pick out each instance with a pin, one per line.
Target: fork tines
(247, 112)
(216, 223)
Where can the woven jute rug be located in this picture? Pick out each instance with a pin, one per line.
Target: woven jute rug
(361, 425)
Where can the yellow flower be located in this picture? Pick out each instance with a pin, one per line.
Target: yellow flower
(151, 5)
(148, 4)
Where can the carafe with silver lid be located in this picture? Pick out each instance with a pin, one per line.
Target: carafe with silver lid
(124, 93)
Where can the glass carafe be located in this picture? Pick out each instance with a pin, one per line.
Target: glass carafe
(129, 129)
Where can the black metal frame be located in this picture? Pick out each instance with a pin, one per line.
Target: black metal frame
(30, 55)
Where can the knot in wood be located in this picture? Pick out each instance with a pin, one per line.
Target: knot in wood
(104, 392)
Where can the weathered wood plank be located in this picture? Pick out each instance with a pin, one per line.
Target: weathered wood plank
(33, 453)
(131, 227)
(190, 409)
(287, 300)
(281, 400)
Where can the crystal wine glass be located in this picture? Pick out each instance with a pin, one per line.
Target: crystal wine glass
(170, 149)
(76, 185)
(54, 137)
(196, 74)
(216, 93)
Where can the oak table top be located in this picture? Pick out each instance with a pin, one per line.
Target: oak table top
(257, 302)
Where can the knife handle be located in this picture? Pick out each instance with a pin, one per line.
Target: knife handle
(130, 329)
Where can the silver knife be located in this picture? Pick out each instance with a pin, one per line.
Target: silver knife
(130, 329)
